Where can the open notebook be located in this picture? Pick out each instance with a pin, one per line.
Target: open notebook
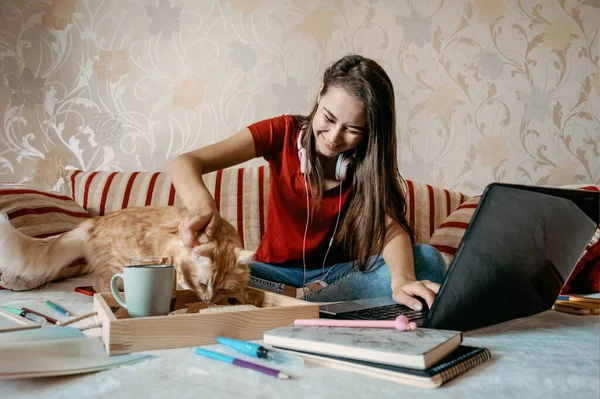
(53, 351)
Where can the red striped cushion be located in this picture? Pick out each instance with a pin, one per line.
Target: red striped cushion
(39, 213)
(240, 196)
(103, 192)
(429, 206)
(449, 234)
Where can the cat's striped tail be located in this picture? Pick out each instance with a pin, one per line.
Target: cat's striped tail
(28, 262)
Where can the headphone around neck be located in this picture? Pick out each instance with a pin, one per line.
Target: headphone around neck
(344, 162)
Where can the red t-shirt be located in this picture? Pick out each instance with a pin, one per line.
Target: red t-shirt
(275, 140)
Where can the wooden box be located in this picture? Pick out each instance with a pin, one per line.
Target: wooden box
(127, 335)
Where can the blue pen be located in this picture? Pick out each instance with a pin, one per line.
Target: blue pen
(242, 363)
(259, 351)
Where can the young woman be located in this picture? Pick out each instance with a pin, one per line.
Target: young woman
(336, 208)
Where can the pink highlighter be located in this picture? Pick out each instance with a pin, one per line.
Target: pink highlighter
(401, 323)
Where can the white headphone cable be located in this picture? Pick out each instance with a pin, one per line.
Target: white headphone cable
(305, 232)
(333, 236)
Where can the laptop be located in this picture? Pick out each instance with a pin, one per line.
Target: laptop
(519, 250)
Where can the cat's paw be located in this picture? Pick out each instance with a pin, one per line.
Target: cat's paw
(18, 283)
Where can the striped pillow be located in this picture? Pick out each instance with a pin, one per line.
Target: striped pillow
(449, 234)
(39, 213)
(428, 206)
(240, 195)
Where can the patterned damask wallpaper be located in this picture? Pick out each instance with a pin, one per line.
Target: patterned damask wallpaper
(487, 90)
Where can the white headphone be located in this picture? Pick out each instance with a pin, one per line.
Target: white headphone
(341, 167)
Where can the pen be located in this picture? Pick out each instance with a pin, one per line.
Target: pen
(27, 315)
(50, 319)
(573, 298)
(242, 363)
(58, 308)
(259, 351)
(401, 323)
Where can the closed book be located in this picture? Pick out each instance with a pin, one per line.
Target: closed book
(418, 349)
(458, 362)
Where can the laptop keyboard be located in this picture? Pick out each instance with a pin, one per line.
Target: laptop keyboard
(387, 312)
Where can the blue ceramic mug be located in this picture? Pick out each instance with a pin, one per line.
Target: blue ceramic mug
(148, 289)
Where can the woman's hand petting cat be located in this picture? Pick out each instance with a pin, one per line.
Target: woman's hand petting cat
(405, 291)
(207, 218)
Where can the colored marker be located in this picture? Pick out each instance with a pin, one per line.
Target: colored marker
(58, 308)
(50, 319)
(259, 351)
(242, 363)
(27, 315)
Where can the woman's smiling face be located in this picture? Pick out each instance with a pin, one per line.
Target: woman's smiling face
(339, 123)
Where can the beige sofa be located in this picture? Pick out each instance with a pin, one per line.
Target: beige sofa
(241, 195)
(439, 216)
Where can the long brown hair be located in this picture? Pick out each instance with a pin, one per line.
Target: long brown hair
(378, 188)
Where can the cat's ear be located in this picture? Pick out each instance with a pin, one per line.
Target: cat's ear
(244, 257)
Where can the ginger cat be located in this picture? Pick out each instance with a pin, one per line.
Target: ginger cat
(214, 269)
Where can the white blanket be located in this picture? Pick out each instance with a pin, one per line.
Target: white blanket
(550, 355)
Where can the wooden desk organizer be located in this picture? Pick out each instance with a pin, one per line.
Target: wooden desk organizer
(127, 335)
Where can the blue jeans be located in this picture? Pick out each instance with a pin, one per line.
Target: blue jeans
(345, 283)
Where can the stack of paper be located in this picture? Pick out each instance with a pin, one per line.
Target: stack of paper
(55, 351)
(424, 357)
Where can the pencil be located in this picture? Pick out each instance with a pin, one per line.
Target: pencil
(592, 307)
(76, 319)
(58, 308)
(575, 298)
(579, 304)
(583, 299)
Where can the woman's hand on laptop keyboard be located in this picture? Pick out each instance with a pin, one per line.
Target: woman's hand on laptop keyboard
(408, 292)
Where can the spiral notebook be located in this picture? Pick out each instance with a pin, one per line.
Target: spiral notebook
(458, 362)
(418, 349)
